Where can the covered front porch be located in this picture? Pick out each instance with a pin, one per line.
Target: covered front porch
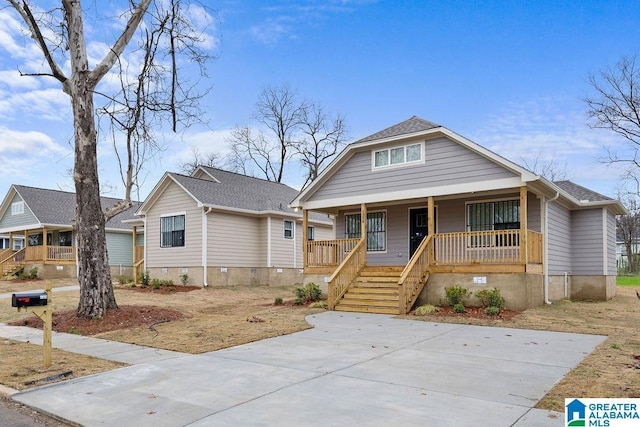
(387, 262)
(31, 247)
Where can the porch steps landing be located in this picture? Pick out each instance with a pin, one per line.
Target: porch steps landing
(10, 268)
(374, 291)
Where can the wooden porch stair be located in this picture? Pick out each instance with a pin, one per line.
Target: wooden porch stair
(9, 268)
(375, 290)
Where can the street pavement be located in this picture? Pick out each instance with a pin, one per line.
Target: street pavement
(351, 368)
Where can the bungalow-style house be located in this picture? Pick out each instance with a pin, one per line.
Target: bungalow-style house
(222, 228)
(419, 208)
(27, 214)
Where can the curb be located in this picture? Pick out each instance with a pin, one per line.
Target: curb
(7, 391)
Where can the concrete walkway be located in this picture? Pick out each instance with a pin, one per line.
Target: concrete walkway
(350, 369)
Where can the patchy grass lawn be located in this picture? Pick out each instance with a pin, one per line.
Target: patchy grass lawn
(216, 318)
(628, 280)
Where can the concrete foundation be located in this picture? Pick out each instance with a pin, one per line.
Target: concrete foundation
(49, 271)
(520, 290)
(230, 276)
(595, 288)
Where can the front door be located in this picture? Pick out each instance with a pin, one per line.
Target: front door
(418, 228)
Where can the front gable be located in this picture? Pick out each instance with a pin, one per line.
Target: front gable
(444, 166)
(14, 217)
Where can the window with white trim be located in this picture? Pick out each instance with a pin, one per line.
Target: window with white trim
(288, 229)
(17, 208)
(393, 156)
(376, 230)
(172, 231)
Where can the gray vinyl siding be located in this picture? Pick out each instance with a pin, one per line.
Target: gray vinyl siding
(324, 232)
(174, 200)
(588, 245)
(611, 243)
(16, 221)
(559, 239)
(119, 247)
(283, 251)
(234, 240)
(446, 163)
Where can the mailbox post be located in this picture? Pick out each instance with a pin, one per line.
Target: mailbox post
(40, 304)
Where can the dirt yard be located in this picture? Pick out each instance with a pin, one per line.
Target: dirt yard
(202, 320)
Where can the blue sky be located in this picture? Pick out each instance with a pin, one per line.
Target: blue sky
(509, 75)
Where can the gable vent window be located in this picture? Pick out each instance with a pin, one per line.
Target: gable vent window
(17, 208)
(172, 231)
(404, 154)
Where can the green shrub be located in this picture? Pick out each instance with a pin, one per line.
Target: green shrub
(157, 283)
(184, 279)
(278, 301)
(423, 310)
(145, 278)
(33, 273)
(456, 295)
(491, 298)
(310, 293)
(318, 304)
(492, 311)
(124, 280)
(459, 308)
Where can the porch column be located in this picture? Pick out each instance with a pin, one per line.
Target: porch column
(363, 228)
(431, 227)
(44, 245)
(523, 226)
(305, 238)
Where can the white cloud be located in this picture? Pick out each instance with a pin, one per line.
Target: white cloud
(30, 144)
(47, 104)
(540, 130)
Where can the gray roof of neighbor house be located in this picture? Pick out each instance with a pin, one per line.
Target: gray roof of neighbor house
(54, 207)
(581, 193)
(411, 125)
(240, 192)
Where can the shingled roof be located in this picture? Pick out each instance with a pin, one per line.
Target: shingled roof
(54, 207)
(224, 189)
(411, 125)
(234, 190)
(581, 193)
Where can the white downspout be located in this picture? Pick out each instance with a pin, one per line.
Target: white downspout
(205, 252)
(545, 260)
(268, 242)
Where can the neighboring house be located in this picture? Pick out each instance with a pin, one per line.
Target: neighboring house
(441, 211)
(222, 228)
(27, 214)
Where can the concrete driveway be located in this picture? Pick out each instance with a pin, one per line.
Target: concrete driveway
(365, 369)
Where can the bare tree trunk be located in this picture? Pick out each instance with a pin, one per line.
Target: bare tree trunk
(94, 276)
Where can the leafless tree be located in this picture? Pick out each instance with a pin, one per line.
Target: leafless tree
(616, 106)
(80, 83)
(278, 111)
(322, 138)
(546, 168)
(628, 229)
(212, 159)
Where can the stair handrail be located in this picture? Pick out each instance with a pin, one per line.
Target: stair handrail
(346, 273)
(2, 262)
(410, 283)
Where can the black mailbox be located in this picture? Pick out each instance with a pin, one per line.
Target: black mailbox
(29, 299)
